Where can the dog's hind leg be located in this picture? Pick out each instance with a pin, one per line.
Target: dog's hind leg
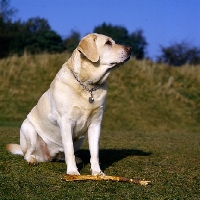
(28, 141)
(78, 143)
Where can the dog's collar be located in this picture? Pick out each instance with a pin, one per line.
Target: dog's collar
(91, 98)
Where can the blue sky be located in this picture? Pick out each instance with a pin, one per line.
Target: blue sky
(163, 21)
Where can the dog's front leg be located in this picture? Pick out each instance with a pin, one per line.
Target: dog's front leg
(93, 139)
(67, 134)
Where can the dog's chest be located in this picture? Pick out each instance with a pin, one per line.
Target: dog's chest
(83, 117)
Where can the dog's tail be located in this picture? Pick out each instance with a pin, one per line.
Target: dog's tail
(14, 149)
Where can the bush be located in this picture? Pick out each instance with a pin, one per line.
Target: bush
(179, 54)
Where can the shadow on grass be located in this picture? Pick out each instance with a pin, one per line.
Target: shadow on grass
(109, 156)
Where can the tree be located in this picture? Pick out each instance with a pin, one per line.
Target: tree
(138, 44)
(6, 34)
(34, 36)
(121, 36)
(117, 33)
(71, 42)
(6, 13)
(179, 54)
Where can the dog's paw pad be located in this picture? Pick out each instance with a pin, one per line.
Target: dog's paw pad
(98, 173)
(32, 160)
(73, 173)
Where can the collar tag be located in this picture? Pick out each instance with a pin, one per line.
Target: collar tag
(91, 99)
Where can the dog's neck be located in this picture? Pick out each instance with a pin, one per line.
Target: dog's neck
(89, 87)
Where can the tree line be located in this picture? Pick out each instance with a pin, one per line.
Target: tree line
(35, 36)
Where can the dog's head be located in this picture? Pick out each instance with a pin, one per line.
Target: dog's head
(95, 57)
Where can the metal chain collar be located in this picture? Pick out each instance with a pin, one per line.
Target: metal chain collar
(91, 99)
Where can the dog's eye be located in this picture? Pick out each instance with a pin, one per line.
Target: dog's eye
(108, 42)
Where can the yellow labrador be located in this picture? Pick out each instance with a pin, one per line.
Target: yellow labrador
(73, 105)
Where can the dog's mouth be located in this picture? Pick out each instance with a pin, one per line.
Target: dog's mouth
(116, 65)
(127, 59)
(120, 63)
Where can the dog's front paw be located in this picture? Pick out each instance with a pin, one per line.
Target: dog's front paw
(98, 173)
(73, 172)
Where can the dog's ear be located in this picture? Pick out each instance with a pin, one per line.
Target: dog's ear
(88, 48)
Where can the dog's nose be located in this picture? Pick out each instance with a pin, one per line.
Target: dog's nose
(128, 49)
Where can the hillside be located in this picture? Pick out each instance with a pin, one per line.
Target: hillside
(142, 95)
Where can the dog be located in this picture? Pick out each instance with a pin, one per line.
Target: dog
(73, 106)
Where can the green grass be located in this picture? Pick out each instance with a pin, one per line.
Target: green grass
(169, 160)
(150, 130)
(142, 95)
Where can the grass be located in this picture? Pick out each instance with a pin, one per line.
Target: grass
(142, 95)
(150, 130)
(169, 160)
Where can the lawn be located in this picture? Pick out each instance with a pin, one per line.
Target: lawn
(169, 160)
(151, 131)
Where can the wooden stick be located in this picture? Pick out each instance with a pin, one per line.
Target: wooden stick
(67, 177)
